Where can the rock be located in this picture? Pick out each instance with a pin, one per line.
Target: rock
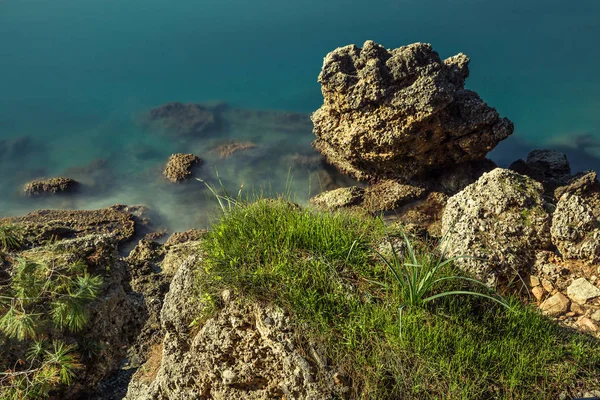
(118, 221)
(576, 220)
(587, 325)
(179, 166)
(339, 198)
(555, 305)
(180, 119)
(401, 113)
(498, 222)
(15, 148)
(226, 150)
(534, 281)
(302, 161)
(549, 167)
(51, 186)
(595, 316)
(190, 235)
(577, 308)
(389, 195)
(538, 292)
(581, 290)
(94, 175)
(425, 213)
(547, 285)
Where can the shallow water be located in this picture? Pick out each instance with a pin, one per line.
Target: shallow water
(76, 76)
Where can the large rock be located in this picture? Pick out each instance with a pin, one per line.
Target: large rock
(51, 186)
(400, 113)
(576, 220)
(246, 351)
(498, 222)
(549, 167)
(180, 119)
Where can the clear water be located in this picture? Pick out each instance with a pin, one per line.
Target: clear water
(75, 76)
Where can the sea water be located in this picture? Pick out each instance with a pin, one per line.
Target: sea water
(75, 76)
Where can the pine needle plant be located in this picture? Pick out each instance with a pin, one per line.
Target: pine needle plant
(42, 303)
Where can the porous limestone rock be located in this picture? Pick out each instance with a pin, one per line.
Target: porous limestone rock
(555, 305)
(400, 113)
(246, 351)
(339, 198)
(576, 220)
(498, 222)
(179, 166)
(581, 290)
(549, 167)
(51, 186)
(180, 119)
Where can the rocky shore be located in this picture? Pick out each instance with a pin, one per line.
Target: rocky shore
(400, 121)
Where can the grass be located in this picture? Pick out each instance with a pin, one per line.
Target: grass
(10, 237)
(321, 268)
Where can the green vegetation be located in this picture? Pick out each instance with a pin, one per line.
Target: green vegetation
(40, 305)
(10, 237)
(322, 268)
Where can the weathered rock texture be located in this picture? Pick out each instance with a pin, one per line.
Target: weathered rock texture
(576, 220)
(245, 351)
(226, 150)
(499, 221)
(399, 113)
(40, 187)
(180, 119)
(179, 166)
(549, 167)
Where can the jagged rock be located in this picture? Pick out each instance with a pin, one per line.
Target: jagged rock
(581, 290)
(389, 195)
(245, 350)
(576, 220)
(183, 119)
(183, 237)
(499, 221)
(179, 166)
(555, 305)
(226, 150)
(117, 221)
(549, 167)
(42, 187)
(401, 113)
(339, 198)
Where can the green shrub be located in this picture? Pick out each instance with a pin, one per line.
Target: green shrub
(42, 302)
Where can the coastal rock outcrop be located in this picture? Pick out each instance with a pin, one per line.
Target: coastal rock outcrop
(51, 186)
(549, 167)
(498, 222)
(400, 113)
(576, 220)
(179, 166)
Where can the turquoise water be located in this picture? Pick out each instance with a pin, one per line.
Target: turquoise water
(76, 75)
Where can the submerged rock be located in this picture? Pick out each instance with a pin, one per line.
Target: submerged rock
(576, 220)
(498, 222)
(226, 150)
(400, 113)
(179, 166)
(180, 119)
(51, 186)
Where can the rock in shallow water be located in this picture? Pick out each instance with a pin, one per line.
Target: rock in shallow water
(45, 187)
(179, 167)
(400, 113)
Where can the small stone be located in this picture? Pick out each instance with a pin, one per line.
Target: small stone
(570, 314)
(581, 290)
(555, 305)
(548, 285)
(538, 292)
(228, 376)
(179, 166)
(587, 325)
(577, 308)
(596, 316)
(534, 281)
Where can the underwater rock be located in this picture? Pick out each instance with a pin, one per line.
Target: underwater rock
(13, 148)
(498, 222)
(179, 166)
(400, 113)
(96, 175)
(550, 167)
(576, 220)
(302, 161)
(51, 186)
(226, 150)
(180, 119)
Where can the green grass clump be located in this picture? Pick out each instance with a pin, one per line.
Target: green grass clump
(41, 303)
(10, 237)
(321, 267)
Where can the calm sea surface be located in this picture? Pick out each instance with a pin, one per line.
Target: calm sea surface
(75, 75)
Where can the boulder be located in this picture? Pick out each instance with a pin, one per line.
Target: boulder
(401, 113)
(498, 222)
(178, 119)
(339, 198)
(555, 305)
(549, 167)
(51, 186)
(179, 166)
(576, 220)
(581, 290)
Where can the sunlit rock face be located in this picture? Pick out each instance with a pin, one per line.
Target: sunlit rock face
(398, 114)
